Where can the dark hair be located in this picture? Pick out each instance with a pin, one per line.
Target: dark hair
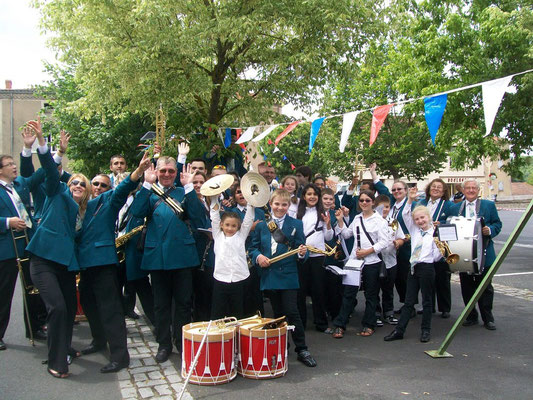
(201, 174)
(304, 170)
(198, 160)
(382, 199)
(316, 178)
(445, 196)
(231, 214)
(117, 156)
(234, 189)
(103, 176)
(369, 183)
(302, 205)
(367, 193)
(3, 157)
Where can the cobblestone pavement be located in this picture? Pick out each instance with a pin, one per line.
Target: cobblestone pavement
(524, 294)
(145, 378)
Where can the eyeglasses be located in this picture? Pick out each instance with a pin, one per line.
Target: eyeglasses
(365, 201)
(77, 182)
(396, 189)
(167, 171)
(101, 184)
(9, 164)
(238, 192)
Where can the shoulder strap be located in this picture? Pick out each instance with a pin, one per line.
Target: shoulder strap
(366, 232)
(316, 228)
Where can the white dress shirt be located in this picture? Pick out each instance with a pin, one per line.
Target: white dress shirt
(319, 237)
(231, 264)
(429, 253)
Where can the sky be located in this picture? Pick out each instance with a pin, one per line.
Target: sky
(22, 46)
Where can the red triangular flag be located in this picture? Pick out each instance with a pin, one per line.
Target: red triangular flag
(378, 117)
(239, 133)
(270, 141)
(286, 131)
(292, 166)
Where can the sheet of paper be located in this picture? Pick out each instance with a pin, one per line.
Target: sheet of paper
(352, 278)
(447, 233)
(336, 270)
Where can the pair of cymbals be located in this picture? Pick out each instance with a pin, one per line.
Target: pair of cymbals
(254, 187)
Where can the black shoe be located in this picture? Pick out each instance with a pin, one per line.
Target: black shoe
(471, 322)
(305, 357)
(40, 335)
(113, 366)
(491, 326)
(394, 335)
(398, 311)
(419, 312)
(425, 336)
(92, 348)
(445, 314)
(133, 315)
(162, 355)
(2, 345)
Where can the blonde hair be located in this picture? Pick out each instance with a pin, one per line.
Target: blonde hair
(422, 209)
(165, 160)
(88, 191)
(283, 194)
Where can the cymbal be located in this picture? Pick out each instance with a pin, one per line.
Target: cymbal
(217, 185)
(255, 189)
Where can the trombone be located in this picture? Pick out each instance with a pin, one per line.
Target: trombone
(26, 288)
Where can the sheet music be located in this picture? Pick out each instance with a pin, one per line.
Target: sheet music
(352, 270)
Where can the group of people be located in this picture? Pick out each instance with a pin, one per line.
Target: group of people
(189, 257)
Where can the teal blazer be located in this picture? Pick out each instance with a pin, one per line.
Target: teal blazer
(132, 254)
(169, 243)
(95, 243)
(487, 210)
(284, 273)
(443, 211)
(54, 238)
(23, 186)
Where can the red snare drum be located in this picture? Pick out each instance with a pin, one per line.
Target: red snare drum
(216, 364)
(262, 352)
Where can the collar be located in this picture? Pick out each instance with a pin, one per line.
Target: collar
(241, 208)
(279, 220)
(471, 202)
(398, 205)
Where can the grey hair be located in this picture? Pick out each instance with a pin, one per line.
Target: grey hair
(471, 180)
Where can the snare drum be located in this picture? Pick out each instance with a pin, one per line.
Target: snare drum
(216, 363)
(469, 245)
(262, 352)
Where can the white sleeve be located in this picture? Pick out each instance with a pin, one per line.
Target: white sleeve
(408, 217)
(248, 221)
(215, 219)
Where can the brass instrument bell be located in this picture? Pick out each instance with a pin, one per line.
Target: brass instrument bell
(444, 248)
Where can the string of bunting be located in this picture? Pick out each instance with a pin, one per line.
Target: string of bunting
(434, 107)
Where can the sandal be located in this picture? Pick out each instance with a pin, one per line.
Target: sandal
(338, 332)
(366, 331)
(56, 374)
(329, 331)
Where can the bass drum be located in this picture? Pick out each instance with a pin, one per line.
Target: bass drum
(469, 245)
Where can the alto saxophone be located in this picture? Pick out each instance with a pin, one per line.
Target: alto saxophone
(123, 239)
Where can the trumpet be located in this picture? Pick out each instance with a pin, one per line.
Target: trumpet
(394, 224)
(169, 201)
(160, 126)
(444, 248)
(359, 168)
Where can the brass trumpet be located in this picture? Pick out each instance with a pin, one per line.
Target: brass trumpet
(160, 126)
(359, 168)
(444, 248)
(394, 224)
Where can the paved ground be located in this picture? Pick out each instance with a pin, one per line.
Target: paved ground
(486, 365)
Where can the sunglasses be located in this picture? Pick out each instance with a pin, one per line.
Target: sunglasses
(365, 201)
(238, 192)
(76, 182)
(167, 171)
(396, 189)
(101, 184)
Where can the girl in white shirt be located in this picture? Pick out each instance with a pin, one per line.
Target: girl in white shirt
(290, 184)
(231, 266)
(317, 230)
(424, 253)
(367, 246)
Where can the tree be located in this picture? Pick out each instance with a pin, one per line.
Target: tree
(221, 63)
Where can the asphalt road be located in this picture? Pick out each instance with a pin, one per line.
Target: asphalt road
(486, 365)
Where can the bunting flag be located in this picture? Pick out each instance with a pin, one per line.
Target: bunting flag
(239, 131)
(265, 133)
(315, 127)
(276, 149)
(348, 120)
(227, 138)
(286, 131)
(247, 135)
(433, 111)
(378, 117)
(293, 167)
(493, 92)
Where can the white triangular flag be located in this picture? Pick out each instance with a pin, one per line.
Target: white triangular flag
(493, 92)
(276, 149)
(265, 133)
(348, 120)
(247, 135)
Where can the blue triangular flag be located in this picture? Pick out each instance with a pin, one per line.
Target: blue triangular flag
(315, 127)
(434, 110)
(284, 157)
(227, 138)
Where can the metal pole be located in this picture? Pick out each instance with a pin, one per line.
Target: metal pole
(441, 352)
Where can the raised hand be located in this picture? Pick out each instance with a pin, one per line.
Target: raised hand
(327, 219)
(64, 138)
(28, 137)
(37, 128)
(413, 192)
(339, 215)
(183, 149)
(150, 175)
(144, 164)
(187, 176)
(157, 149)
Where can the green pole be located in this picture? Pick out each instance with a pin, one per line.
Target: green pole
(441, 352)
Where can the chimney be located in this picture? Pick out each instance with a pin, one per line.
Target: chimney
(9, 84)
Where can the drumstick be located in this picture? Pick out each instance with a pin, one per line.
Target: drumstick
(195, 361)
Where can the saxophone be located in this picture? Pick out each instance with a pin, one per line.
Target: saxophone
(123, 239)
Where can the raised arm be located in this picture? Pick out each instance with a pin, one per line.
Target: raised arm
(407, 210)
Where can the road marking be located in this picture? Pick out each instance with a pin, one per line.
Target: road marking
(515, 273)
(527, 246)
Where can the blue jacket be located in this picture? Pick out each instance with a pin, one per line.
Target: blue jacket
(488, 211)
(282, 274)
(96, 240)
(23, 186)
(132, 254)
(169, 243)
(54, 238)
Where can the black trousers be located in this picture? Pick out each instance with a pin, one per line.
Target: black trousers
(469, 284)
(284, 302)
(8, 279)
(99, 297)
(203, 293)
(443, 290)
(129, 290)
(312, 279)
(171, 288)
(370, 276)
(349, 302)
(404, 266)
(57, 287)
(423, 279)
(387, 292)
(253, 297)
(333, 293)
(228, 299)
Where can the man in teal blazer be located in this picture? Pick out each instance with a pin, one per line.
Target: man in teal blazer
(169, 249)
(97, 258)
(472, 207)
